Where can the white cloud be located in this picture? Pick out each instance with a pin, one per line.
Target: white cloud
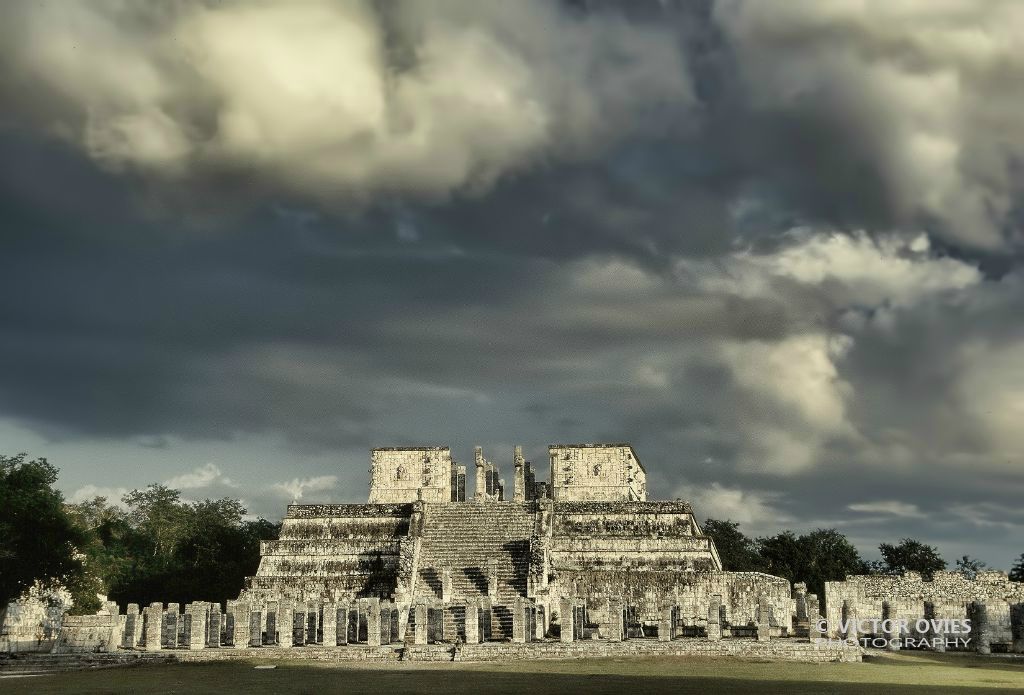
(887, 507)
(200, 477)
(848, 269)
(339, 100)
(795, 400)
(747, 507)
(927, 90)
(297, 488)
(88, 492)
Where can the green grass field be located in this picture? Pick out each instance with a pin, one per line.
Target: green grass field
(904, 674)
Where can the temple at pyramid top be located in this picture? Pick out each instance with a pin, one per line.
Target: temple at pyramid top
(577, 473)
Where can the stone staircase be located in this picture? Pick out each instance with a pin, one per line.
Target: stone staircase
(465, 536)
(31, 664)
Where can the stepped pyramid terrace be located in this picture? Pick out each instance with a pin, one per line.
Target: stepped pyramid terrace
(583, 563)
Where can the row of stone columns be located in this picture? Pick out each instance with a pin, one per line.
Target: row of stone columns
(980, 633)
(667, 623)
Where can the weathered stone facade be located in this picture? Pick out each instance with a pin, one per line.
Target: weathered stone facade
(408, 474)
(596, 473)
(31, 623)
(418, 567)
(947, 612)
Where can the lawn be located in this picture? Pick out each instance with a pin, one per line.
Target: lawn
(902, 673)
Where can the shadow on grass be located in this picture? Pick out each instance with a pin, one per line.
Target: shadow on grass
(221, 678)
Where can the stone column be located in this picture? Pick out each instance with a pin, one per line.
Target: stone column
(117, 628)
(342, 612)
(285, 624)
(936, 638)
(890, 628)
(852, 619)
(763, 620)
(154, 626)
(541, 628)
(330, 625)
(420, 634)
(446, 585)
(1017, 627)
(492, 579)
(132, 627)
(813, 607)
(714, 619)
(614, 620)
(196, 615)
(566, 617)
(519, 491)
(800, 597)
(665, 623)
(240, 634)
(473, 622)
(215, 623)
(519, 620)
(481, 474)
(980, 628)
(373, 622)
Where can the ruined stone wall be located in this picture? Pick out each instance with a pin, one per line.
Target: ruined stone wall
(655, 535)
(341, 550)
(400, 475)
(649, 590)
(31, 623)
(596, 472)
(947, 595)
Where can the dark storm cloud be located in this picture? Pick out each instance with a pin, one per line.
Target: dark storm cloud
(555, 223)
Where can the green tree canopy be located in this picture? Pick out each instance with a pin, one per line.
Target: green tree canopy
(814, 558)
(1017, 571)
(161, 548)
(911, 555)
(969, 566)
(736, 550)
(39, 541)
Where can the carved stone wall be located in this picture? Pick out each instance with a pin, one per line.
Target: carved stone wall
(991, 601)
(596, 472)
(410, 474)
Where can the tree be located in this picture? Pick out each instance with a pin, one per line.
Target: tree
(1017, 571)
(164, 549)
(910, 555)
(829, 556)
(782, 555)
(39, 541)
(969, 567)
(736, 551)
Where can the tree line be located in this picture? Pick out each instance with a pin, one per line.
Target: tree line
(825, 555)
(154, 546)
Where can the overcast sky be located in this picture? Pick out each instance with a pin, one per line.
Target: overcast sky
(774, 245)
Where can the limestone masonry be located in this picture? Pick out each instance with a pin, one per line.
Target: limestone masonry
(520, 568)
